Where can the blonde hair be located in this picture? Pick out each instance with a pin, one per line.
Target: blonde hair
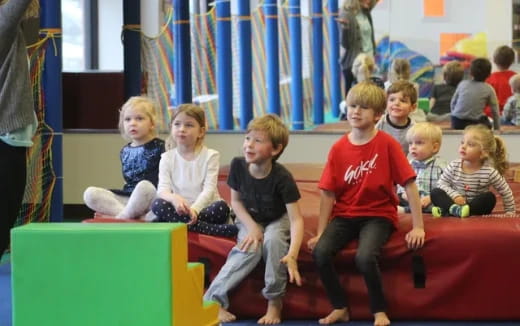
(491, 144)
(367, 94)
(146, 104)
(514, 82)
(425, 130)
(363, 67)
(275, 129)
(399, 70)
(408, 89)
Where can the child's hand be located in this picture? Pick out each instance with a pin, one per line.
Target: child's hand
(415, 238)
(292, 268)
(194, 216)
(311, 243)
(459, 200)
(425, 201)
(253, 238)
(181, 205)
(404, 196)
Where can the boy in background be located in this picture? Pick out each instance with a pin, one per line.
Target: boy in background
(503, 58)
(453, 73)
(400, 104)
(511, 113)
(472, 96)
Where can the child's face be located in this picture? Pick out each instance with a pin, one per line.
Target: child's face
(399, 106)
(186, 131)
(361, 117)
(138, 126)
(422, 148)
(470, 148)
(258, 147)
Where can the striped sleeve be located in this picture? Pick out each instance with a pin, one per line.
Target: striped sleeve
(503, 188)
(445, 181)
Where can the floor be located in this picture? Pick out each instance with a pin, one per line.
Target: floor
(5, 310)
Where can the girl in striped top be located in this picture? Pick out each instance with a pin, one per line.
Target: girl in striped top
(463, 188)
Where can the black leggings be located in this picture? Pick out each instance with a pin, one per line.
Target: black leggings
(12, 186)
(212, 220)
(482, 204)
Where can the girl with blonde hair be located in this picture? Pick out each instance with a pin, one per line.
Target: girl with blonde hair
(463, 188)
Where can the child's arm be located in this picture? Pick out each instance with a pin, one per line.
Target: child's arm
(503, 188)
(209, 185)
(327, 199)
(255, 234)
(415, 238)
(291, 259)
(510, 105)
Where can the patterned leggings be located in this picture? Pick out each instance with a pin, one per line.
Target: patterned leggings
(212, 219)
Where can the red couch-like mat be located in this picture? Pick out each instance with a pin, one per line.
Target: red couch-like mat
(472, 267)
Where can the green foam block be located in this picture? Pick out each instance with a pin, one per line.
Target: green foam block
(92, 274)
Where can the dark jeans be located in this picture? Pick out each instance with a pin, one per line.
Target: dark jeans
(12, 186)
(212, 220)
(482, 204)
(460, 124)
(349, 79)
(373, 233)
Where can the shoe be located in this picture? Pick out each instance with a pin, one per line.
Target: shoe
(436, 212)
(461, 211)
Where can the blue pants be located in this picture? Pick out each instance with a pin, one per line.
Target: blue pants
(373, 233)
(239, 263)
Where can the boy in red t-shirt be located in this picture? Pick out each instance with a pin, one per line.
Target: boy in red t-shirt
(358, 200)
(503, 57)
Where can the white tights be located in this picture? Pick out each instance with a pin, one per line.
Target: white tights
(108, 203)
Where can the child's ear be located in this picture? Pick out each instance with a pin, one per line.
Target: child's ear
(276, 150)
(414, 107)
(436, 147)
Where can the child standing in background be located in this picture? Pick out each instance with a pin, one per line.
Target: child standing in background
(503, 57)
(358, 200)
(139, 161)
(424, 141)
(463, 188)
(441, 96)
(400, 104)
(188, 176)
(511, 113)
(264, 197)
(363, 69)
(472, 96)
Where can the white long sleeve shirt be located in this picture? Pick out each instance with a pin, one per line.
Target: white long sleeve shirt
(194, 180)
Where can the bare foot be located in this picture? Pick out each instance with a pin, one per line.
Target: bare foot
(225, 316)
(381, 319)
(273, 314)
(336, 315)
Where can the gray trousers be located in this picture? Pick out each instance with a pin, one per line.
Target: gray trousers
(240, 263)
